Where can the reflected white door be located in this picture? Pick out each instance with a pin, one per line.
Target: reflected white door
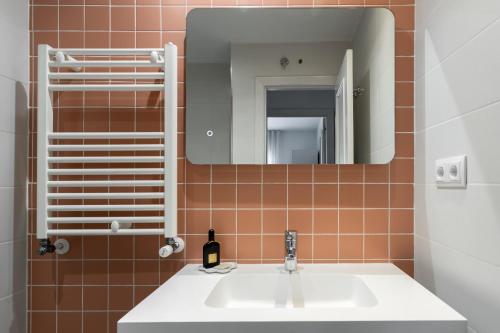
(344, 117)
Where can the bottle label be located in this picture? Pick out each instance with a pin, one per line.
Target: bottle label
(212, 258)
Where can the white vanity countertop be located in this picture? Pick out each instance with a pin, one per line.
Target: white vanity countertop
(180, 303)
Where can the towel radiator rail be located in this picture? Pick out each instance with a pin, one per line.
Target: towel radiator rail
(128, 178)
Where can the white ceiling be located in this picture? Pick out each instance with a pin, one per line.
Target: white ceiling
(210, 31)
(293, 123)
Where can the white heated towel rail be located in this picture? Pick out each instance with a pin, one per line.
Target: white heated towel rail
(107, 183)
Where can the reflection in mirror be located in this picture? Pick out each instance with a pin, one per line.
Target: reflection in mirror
(290, 86)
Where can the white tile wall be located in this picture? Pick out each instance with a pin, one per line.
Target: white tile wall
(457, 232)
(14, 67)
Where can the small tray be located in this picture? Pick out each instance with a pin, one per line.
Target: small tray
(223, 268)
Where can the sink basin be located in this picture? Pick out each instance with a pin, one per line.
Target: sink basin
(296, 290)
(319, 298)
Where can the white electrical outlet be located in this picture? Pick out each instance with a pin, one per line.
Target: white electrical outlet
(451, 172)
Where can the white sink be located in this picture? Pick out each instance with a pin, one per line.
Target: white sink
(320, 298)
(296, 290)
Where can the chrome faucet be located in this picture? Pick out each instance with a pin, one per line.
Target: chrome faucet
(290, 250)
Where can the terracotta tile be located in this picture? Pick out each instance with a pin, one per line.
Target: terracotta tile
(401, 221)
(70, 18)
(121, 120)
(216, 3)
(304, 247)
(274, 196)
(122, 39)
(376, 246)
(169, 267)
(147, 272)
(248, 247)
(97, 18)
(249, 3)
(401, 196)
(351, 196)
(196, 173)
(274, 221)
(350, 221)
(376, 196)
(404, 145)
(223, 196)
(401, 246)
(43, 298)
(227, 246)
(274, 173)
(325, 247)
(404, 43)
(300, 174)
(299, 196)
(44, 18)
(404, 120)
(197, 221)
(404, 69)
(325, 173)
(141, 292)
(174, 18)
(300, 220)
(43, 322)
(377, 2)
(224, 221)
(122, 18)
(223, 173)
(69, 298)
(151, 39)
(120, 298)
(327, 2)
(119, 247)
(95, 272)
(69, 272)
(94, 322)
(404, 94)
(377, 173)
(176, 37)
(376, 221)
(148, 18)
(352, 2)
(402, 171)
(249, 222)
(148, 248)
(325, 195)
(406, 266)
(403, 2)
(351, 173)
(113, 318)
(95, 298)
(95, 247)
(272, 247)
(274, 3)
(325, 221)
(197, 195)
(351, 247)
(249, 173)
(405, 17)
(43, 272)
(194, 246)
(121, 272)
(249, 195)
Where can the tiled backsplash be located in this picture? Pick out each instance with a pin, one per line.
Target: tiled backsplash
(343, 214)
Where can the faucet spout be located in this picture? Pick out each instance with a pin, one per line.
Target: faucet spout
(290, 250)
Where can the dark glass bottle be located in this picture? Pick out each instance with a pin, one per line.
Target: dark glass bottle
(211, 251)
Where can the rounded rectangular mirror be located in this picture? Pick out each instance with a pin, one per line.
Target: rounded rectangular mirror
(290, 86)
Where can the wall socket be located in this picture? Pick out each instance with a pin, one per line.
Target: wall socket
(451, 172)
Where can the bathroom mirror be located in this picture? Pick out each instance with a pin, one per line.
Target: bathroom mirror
(290, 86)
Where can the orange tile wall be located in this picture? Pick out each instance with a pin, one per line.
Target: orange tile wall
(343, 214)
